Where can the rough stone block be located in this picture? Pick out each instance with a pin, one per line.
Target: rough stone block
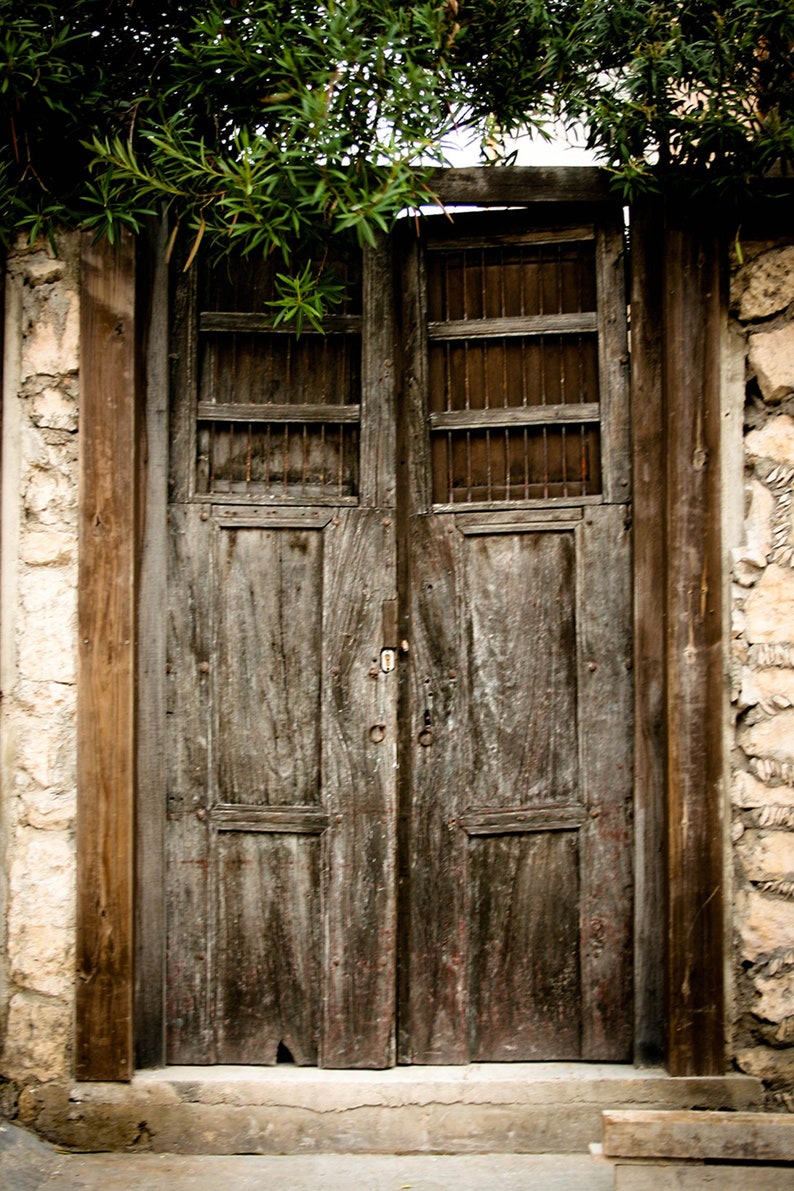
(765, 924)
(41, 879)
(773, 738)
(768, 284)
(767, 855)
(51, 346)
(769, 609)
(54, 408)
(774, 440)
(773, 689)
(749, 792)
(772, 361)
(42, 958)
(774, 997)
(37, 1037)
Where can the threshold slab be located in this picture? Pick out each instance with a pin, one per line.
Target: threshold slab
(483, 1108)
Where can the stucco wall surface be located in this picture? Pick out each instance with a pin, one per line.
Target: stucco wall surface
(39, 614)
(762, 785)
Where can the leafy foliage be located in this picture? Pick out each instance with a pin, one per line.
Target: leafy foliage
(274, 125)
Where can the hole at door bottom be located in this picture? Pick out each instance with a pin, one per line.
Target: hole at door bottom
(284, 1054)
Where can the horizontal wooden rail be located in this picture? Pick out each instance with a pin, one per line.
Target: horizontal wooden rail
(290, 820)
(210, 411)
(232, 320)
(518, 821)
(506, 417)
(577, 323)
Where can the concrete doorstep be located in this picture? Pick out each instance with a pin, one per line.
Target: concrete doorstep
(28, 1164)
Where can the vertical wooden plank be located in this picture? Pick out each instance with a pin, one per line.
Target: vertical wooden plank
(189, 910)
(106, 669)
(378, 429)
(151, 659)
(694, 704)
(647, 242)
(605, 742)
(359, 772)
(613, 361)
(436, 767)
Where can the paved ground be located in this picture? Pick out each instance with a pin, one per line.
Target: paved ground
(27, 1164)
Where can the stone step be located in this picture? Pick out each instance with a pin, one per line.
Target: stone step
(483, 1108)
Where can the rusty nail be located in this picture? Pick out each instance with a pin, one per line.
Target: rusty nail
(592, 666)
(204, 667)
(386, 521)
(334, 670)
(204, 515)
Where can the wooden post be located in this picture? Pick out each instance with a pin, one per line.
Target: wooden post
(106, 673)
(649, 738)
(691, 320)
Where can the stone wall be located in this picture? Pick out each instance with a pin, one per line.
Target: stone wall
(39, 617)
(763, 676)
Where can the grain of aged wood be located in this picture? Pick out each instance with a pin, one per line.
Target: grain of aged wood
(519, 184)
(693, 302)
(106, 672)
(151, 702)
(649, 661)
(726, 1136)
(516, 872)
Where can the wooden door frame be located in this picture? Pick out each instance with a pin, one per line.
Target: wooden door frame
(678, 307)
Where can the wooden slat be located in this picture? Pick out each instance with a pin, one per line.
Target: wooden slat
(647, 242)
(564, 235)
(378, 446)
(537, 818)
(502, 328)
(222, 320)
(484, 506)
(605, 732)
(515, 416)
(209, 411)
(152, 628)
(293, 820)
(190, 915)
(520, 184)
(106, 673)
(359, 773)
(693, 296)
(258, 518)
(517, 521)
(613, 361)
(726, 1136)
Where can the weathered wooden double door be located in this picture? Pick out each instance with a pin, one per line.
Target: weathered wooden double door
(399, 714)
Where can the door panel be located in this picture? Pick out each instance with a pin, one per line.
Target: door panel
(281, 926)
(412, 679)
(517, 884)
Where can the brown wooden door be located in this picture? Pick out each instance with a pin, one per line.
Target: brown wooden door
(431, 840)
(516, 715)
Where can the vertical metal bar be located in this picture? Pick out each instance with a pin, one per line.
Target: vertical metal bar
(545, 463)
(564, 461)
(341, 472)
(285, 461)
(304, 457)
(468, 465)
(450, 469)
(248, 459)
(268, 447)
